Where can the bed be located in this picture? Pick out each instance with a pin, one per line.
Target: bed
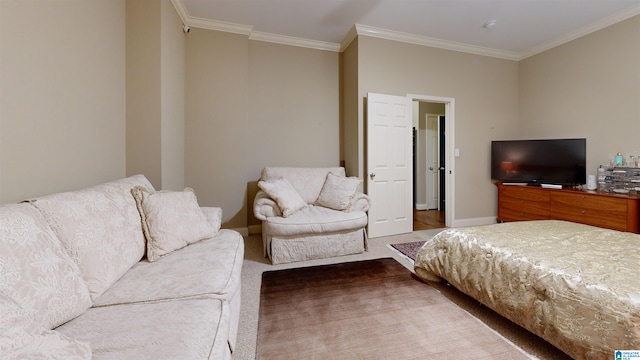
(574, 285)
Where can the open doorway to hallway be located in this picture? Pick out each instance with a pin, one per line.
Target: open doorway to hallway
(428, 165)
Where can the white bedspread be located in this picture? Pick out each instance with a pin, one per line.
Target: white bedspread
(574, 285)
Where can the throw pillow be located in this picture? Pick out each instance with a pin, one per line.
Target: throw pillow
(35, 270)
(284, 194)
(338, 191)
(171, 220)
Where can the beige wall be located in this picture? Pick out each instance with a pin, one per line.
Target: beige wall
(217, 97)
(172, 93)
(143, 43)
(351, 133)
(155, 93)
(486, 105)
(588, 88)
(66, 123)
(294, 107)
(252, 104)
(62, 95)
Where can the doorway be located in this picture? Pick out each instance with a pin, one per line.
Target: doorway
(433, 165)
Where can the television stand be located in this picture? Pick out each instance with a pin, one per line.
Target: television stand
(611, 211)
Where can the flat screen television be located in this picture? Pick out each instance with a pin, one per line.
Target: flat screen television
(536, 162)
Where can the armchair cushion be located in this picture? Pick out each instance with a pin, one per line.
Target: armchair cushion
(338, 192)
(316, 220)
(171, 220)
(285, 195)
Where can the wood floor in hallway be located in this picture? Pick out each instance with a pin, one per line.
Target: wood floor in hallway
(428, 219)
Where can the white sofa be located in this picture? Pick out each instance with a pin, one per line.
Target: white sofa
(80, 279)
(329, 220)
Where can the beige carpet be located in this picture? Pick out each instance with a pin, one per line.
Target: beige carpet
(372, 309)
(255, 264)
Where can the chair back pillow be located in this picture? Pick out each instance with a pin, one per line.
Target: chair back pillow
(307, 181)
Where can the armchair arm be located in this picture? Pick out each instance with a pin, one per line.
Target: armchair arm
(264, 206)
(361, 202)
(214, 215)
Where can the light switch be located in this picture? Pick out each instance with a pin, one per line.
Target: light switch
(456, 152)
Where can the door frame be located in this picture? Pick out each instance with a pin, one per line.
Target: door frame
(449, 113)
(435, 185)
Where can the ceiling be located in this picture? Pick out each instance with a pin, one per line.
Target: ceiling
(522, 27)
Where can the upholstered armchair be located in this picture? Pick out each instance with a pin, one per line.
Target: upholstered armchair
(310, 213)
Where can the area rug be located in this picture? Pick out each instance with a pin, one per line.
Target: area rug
(409, 250)
(371, 309)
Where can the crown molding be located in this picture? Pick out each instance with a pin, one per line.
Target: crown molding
(599, 25)
(294, 41)
(220, 26)
(351, 35)
(363, 30)
(432, 42)
(181, 10)
(209, 24)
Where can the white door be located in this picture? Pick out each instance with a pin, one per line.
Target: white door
(389, 165)
(433, 155)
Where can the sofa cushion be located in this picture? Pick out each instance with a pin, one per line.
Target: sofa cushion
(171, 220)
(315, 220)
(338, 192)
(176, 329)
(24, 338)
(284, 194)
(35, 271)
(212, 266)
(100, 229)
(307, 181)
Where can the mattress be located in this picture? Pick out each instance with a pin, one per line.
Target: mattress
(574, 285)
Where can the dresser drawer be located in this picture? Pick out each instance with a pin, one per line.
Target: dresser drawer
(520, 209)
(527, 193)
(602, 211)
(611, 211)
(517, 203)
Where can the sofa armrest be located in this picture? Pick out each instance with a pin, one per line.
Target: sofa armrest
(264, 206)
(361, 202)
(214, 215)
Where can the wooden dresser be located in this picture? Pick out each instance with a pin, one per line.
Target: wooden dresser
(612, 211)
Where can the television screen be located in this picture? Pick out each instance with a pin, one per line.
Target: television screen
(554, 161)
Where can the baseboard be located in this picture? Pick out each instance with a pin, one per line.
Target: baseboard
(255, 229)
(474, 221)
(243, 231)
(249, 230)
(422, 207)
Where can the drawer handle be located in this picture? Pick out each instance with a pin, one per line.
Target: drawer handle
(583, 211)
